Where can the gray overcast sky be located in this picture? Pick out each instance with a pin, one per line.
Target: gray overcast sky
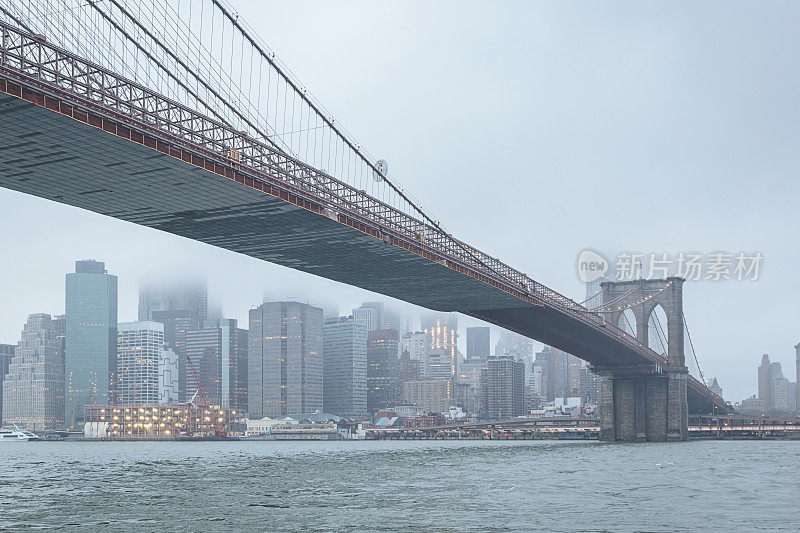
(533, 130)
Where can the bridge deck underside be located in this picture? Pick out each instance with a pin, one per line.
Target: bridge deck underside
(52, 156)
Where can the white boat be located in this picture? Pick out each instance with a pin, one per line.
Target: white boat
(16, 434)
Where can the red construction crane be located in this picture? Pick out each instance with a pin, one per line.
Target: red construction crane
(203, 402)
(201, 393)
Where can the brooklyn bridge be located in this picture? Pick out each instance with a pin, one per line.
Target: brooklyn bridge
(178, 117)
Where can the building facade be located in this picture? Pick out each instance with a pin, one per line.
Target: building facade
(6, 353)
(90, 339)
(33, 388)
(441, 345)
(147, 372)
(431, 395)
(345, 367)
(413, 343)
(504, 386)
(773, 387)
(218, 357)
(177, 323)
(285, 372)
(383, 370)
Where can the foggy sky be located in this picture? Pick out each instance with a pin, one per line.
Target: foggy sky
(533, 130)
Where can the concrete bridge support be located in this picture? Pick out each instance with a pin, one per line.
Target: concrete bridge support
(646, 407)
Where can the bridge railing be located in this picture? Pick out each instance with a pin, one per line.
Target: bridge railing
(51, 69)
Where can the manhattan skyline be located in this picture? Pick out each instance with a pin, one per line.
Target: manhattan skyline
(661, 134)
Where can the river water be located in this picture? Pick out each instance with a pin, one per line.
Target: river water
(401, 486)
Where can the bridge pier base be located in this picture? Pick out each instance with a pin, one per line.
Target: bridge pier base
(646, 406)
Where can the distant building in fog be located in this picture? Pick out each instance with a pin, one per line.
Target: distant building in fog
(285, 372)
(773, 387)
(561, 374)
(515, 345)
(715, 388)
(797, 382)
(478, 343)
(160, 295)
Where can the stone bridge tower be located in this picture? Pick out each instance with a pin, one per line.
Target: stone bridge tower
(646, 402)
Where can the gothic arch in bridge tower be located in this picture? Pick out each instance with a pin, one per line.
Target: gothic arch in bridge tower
(657, 327)
(641, 297)
(627, 322)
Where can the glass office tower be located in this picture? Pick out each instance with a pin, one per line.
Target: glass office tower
(91, 339)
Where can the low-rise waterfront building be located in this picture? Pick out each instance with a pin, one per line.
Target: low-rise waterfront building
(147, 421)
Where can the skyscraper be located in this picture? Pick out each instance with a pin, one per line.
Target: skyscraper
(345, 367)
(218, 353)
(441, 345)
(383, 387)
(91, 339)
(34, 385)
(146, 371)
(285, 359)
(370, 314)
(6, 353)
(478, 343)
(504, 382)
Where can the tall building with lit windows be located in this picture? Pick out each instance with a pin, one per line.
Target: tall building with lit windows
(90, 340)
(285, 364)
(441, 345)
(33, 388)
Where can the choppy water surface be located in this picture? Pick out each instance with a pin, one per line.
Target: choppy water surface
(357, 486)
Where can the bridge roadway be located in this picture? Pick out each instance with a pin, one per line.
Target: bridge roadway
(97, 141)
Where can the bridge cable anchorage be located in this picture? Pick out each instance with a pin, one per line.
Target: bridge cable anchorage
(694, 353)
